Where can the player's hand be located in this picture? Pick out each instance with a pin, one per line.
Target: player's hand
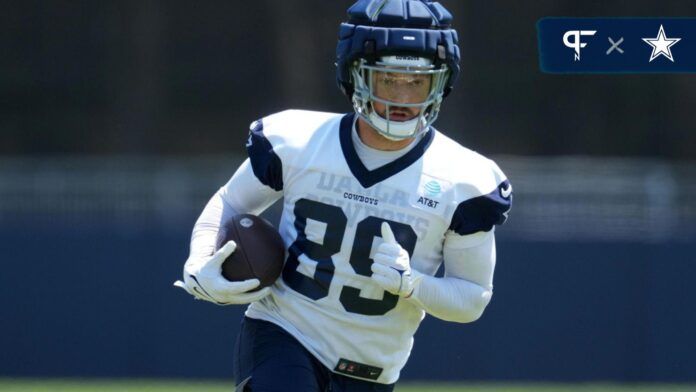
(203, 279)
(392, 266)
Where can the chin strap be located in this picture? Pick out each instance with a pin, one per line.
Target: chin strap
(396, 130)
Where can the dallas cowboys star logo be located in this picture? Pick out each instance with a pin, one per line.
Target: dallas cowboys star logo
(661, 45)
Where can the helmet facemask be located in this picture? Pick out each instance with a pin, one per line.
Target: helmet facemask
(397, 84)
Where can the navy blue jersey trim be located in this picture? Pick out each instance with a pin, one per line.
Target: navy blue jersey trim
(368, 178)
(483, 212)
(265, 163)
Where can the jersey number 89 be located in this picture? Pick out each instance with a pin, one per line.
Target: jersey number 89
(317, 287)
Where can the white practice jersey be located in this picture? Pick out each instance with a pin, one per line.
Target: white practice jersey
(333, 210)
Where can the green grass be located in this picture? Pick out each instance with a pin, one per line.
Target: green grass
(27, 385)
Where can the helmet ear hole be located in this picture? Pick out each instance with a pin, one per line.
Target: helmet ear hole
(347, 90)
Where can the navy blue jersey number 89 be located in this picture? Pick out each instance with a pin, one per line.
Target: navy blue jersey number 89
(335, 219)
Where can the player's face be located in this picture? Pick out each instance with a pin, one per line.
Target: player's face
(400, 88)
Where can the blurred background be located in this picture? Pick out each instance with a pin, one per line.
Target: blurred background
(119, 119)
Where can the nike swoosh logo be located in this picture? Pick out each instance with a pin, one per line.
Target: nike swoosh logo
(206, 293)
(199, 285)
(505, 193)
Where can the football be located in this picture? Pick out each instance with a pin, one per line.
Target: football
(260, 250)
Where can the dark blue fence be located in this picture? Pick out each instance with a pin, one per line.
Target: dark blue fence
(94, 297)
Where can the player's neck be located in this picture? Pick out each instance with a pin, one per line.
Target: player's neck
(374, 139)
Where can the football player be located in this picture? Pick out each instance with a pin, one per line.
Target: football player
(374, 201)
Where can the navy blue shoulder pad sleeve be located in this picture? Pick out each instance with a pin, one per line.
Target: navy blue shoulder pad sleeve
(264, 161)
(483, 212)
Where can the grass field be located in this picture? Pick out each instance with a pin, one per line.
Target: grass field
(11, 385)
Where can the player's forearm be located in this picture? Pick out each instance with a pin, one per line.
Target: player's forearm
(451, 299)
(465, 291)
(204, 236)
(243, 193)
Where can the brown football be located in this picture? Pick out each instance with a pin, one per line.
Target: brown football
(260, 250)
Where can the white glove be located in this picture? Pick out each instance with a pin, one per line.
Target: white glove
(203, 279)
(392, 266)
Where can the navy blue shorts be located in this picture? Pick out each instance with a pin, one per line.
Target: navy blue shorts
(268, 359)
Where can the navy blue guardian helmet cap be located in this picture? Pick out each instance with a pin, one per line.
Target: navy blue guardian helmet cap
(401, 38)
